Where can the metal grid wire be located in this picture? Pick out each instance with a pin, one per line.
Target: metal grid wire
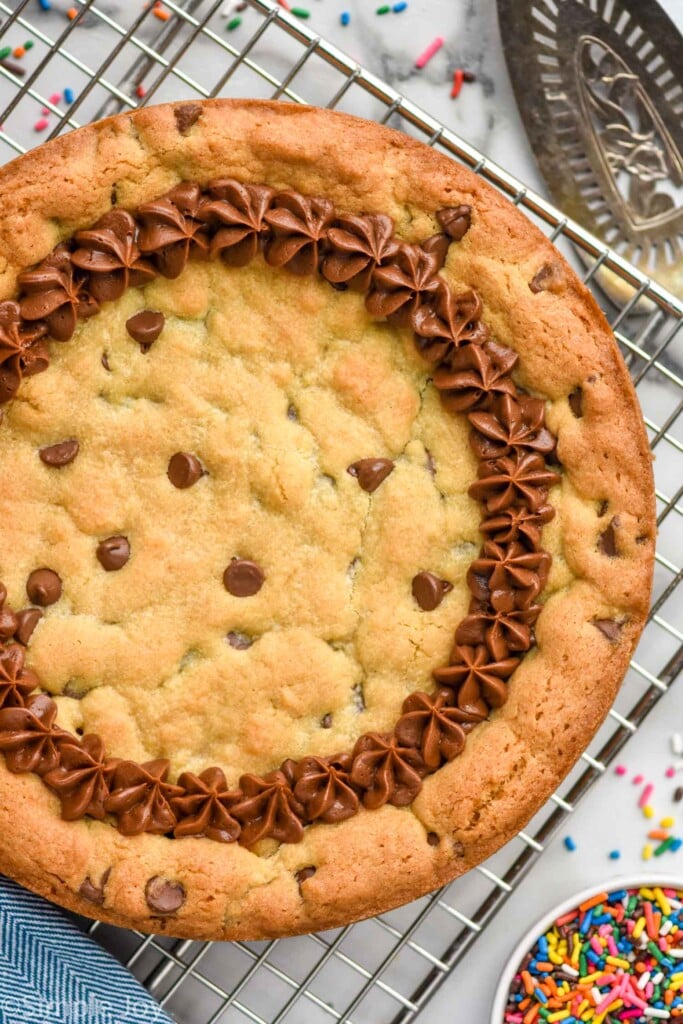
(384, 970)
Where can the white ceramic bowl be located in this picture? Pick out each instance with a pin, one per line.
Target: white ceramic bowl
(646, 880)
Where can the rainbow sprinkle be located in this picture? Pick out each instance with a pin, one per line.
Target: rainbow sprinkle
(433, 48)
(616, 957)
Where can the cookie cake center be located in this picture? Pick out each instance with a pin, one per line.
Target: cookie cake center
(276, 386)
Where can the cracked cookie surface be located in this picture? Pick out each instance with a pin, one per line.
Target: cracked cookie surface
(559, 694)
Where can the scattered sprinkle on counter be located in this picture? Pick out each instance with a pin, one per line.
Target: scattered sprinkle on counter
(616, 957)
(160, 12)
(383, 9)
(670, 772)
(41, 124)
(400, 7)
(234, 23)
(677, 744)
(614, 854)
(569, 843)
(140, 91)
(5, 52)
(620, 769)
(45, 5)
(431, 50)
(72, 13)
(344, 18)
(300, 12)
(68, 95)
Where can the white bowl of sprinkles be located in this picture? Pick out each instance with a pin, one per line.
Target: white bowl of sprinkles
(611, 953)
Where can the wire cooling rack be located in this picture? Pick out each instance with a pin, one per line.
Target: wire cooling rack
(382, 971)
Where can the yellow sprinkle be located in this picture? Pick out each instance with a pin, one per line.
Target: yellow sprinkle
(647, 851)
(649, 812)
(617, 961)
(668, 822)
(554, 958)
(648, 894)
(582, 1006)
(640, 924)
(560, 1015)
(590, 978)
(576, 951)
(662, 901)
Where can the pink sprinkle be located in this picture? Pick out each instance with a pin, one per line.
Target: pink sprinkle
(645, 795)
(670, 772)
(620, 769)
(609, 998)
(45, 111)
(611, 945)
(433, 48)
(55, 98)
(595, 945)
(630, 1014)
(637, 779)
(41, 125)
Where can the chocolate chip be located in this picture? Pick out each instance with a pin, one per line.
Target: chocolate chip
(9, 383)
(576, 402)
(240, 641)
(433, 839)
(8, 623)
(59, 455)
(610, 628)
(458, 848)
(326, 721)
(678, 794)
(602, 508)
(94, 893)
(44, 587)
(607, 541)
(304, 873)
(73, 691)
(292, 413)
(184, 469)
(27, 620)
(243, 578)
(429, 590)
(371, 472)
(163, 896)
(455, 220)
(145, 327)
(113, 553)
(185, 116)
(105, 361)
(437, 245)
(549, 278)
(431, 464)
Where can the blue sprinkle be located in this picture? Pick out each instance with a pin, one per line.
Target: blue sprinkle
(45, 5)
(615, 854)
(397, 8)
(68, 95)
(676, 845)
(569, 843)
(345, 17)
(586, 923)
(541, 996)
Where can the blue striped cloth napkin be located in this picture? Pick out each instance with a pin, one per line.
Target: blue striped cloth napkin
(51, 973)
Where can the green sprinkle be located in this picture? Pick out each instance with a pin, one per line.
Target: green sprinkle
(234, 23)
(28, 45)
(384, 9)
(300, 12)
(655, 950)
(663, 847)
(5, 52)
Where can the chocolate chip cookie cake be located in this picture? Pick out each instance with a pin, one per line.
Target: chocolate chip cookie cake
(326, 519)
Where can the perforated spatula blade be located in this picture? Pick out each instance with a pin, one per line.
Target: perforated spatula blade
(599, 84)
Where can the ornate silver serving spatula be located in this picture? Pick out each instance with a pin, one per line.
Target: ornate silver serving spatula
(599, 85)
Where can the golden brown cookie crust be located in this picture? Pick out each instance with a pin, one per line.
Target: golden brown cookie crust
(564, 687)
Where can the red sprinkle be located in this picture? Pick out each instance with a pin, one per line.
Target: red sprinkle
(458, 79)
(41, 125)
(140, 91)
